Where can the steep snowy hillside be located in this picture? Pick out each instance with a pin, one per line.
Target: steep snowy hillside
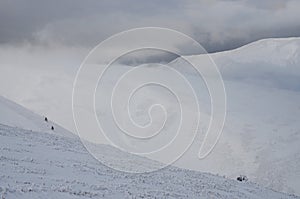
(15, 115)
(39, 165)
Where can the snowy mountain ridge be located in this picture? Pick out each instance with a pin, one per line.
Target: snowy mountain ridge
(272, 61)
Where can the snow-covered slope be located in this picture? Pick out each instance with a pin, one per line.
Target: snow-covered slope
(261, 137)
(56, 165)
(39, 165)
(15, 115)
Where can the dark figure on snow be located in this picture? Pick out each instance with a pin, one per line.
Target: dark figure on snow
(242, 178)
(46, 119)
(52, 128)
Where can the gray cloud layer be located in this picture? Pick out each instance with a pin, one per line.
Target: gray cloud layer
(217, 24)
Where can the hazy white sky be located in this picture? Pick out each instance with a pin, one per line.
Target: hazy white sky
(42, 43)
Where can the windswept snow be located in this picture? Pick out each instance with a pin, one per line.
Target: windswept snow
(39, 165)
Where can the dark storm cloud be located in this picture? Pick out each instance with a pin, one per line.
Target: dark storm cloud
(217, 24)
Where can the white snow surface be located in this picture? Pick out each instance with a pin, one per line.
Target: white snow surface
(44, 165)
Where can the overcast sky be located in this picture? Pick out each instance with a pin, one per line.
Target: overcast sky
(216, 24)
